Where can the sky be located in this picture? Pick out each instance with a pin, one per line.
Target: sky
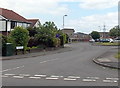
(82, 15)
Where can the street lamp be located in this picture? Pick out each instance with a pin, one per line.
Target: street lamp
(63, 20)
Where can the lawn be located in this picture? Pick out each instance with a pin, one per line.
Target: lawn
(108, 44)
(117, 55)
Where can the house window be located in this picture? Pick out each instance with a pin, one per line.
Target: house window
(13, 24)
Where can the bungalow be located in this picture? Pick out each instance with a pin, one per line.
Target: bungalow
(10, 19)
(34, 22)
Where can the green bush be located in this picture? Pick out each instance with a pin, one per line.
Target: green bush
(20, 36)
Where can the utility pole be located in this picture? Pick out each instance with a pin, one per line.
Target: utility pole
(104, 30)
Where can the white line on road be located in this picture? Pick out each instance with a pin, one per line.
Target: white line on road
(12, 69)
(54, 76)
(92, 77)
(48, 61)
(69, 79)
(35, 77)
(40, 75)
(20, 77)
(9, 74)
(76, 77)
(109, 81)
(89, 80)
(50, 78)
(112, 78)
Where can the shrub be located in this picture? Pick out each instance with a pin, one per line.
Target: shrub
(20, 36)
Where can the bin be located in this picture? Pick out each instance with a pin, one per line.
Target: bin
(8, 49)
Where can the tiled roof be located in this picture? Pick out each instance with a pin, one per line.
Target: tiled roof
(33, 22)
(11, 15)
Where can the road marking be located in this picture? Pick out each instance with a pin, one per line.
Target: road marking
(12, 69)
(76, 77)
(92, 77)
(50, 78)
(40, 75)
(54, 76)
(24, 75)
(9, 74)
(20, 77)
(112, 78)
(89, 80)
(35, 77)
(69, 79)
(48, 61)
(109, 81)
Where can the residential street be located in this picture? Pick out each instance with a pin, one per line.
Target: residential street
(70, 68)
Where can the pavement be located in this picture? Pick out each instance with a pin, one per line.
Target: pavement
(108, 59)
(38, 53)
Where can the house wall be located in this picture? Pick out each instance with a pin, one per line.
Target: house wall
(70, 33)
(37, 24)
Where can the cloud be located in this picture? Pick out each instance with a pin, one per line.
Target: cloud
(98, 4)
(35, 6)
(90, 23)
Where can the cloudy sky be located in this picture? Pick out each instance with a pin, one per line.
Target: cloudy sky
(83, 15)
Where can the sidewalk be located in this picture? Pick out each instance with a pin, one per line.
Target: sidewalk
(41, 53)
(108, 59)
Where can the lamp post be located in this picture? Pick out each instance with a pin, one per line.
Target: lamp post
(63, 20)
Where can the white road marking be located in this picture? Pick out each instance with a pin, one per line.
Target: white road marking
(76, 77)
(54, 76)
(20, 77)
(12, 69)
(24, 74)
(92, 77)
(50, 78)
(69, 79)
(40, 75)
(112, 78)
(35, 77)
(89, 80)
(9, 74)
(109, 81)
(48, 61)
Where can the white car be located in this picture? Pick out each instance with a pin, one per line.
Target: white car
(117, 40)
(111, 40)
(91, 40)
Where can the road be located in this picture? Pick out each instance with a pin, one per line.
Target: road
(72, 68)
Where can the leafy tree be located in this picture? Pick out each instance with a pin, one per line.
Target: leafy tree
(95, 35)
(32, 31)
(114, 32)
(20, 36)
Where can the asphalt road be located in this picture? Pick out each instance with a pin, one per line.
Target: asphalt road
(72, 68)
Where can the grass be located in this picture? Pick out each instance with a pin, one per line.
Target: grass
(117, 55)
(108, 44)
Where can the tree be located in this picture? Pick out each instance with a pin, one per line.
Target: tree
(20, 36)
(95, 35)
(114, 32)
(46, 34)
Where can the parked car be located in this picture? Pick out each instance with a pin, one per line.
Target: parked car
(111, 40)
(91, 40)
(116, 40)
(104, 40)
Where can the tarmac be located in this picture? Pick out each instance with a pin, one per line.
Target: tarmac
(106, 60)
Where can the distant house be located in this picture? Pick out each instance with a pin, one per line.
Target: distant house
(104, 35)
(69, 32)
(34, 22)
(81, 36)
